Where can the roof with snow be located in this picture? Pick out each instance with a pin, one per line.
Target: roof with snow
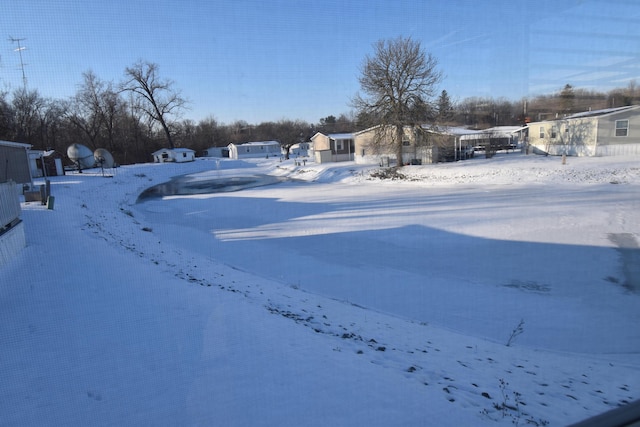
(334, 135)
(494, 132)
(601, 112)
(258, 143)
(175, 150)
(340, 135)
(449, 130)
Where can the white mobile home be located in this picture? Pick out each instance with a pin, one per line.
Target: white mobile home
(300, 150)
(177, 155)
(612, 131)
(264, 149)
(215, 152)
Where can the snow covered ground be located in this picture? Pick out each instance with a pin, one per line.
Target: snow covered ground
(332, 298)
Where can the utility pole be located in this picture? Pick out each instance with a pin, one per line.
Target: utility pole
(19, 50)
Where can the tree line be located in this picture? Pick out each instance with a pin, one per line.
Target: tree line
(144, 112)
(481, 113)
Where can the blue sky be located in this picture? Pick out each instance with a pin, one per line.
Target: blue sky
(293, 59)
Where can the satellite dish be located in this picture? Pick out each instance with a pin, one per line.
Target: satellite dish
(81, 155)
(103, 158)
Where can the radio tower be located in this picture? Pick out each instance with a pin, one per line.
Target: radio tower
(19, 50)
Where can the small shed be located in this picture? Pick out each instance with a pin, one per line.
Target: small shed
(14, 162)
(264, 149)
(178, 155)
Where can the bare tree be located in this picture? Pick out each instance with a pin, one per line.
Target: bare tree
(86, 109)
(158, 98)
(292, 132)
(398, 83)
(27, 107)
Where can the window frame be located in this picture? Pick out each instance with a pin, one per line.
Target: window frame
(625, 128)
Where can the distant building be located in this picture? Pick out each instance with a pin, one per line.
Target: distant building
(258, 149)
(215, 152)
(300, 150)
(177, 155)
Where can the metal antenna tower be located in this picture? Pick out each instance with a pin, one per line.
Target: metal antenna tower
(19, 50)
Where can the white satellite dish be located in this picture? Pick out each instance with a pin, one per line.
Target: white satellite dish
(81, 155)
(103, 158)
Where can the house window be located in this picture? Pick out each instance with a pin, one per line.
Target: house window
(622, 127)
(339, 145)
(553, 132)
(541, 132)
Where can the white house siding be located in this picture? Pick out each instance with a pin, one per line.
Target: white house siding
(260, 149)
(588, 134)
(301, 149)
(216, 152)
(12, 235)
(575, 137)
(618, 150)
(178, 155)
(609, 143)
(14, 162)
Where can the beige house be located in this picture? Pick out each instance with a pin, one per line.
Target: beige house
(420, 145)
(333, 147)
(377, 145)
(612, 131)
